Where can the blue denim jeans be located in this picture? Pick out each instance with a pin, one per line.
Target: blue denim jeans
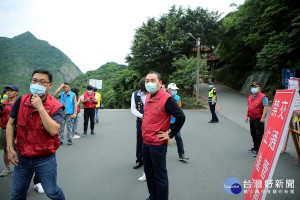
(96, 114)
(45, 168)
(74, 126)
(156, 171)
(179, 143)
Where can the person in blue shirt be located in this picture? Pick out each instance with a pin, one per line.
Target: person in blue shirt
(68, 99)
(172, 89)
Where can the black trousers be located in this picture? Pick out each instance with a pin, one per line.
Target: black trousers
(257, 131)
(212, 108)
(88, 113)
(139, 141)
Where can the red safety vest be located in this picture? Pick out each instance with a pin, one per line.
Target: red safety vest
(255, 107)
(155, 118)
(32, 138)
(5, 114)
(89, 104)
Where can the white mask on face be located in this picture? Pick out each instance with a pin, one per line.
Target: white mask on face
(254, 90)
(89, 92)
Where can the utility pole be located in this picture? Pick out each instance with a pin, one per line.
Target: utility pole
(198, 63)
(197, 71)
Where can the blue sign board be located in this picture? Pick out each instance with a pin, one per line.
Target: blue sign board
(286, 75)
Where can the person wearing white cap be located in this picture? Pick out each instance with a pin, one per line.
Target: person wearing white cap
(172, 89)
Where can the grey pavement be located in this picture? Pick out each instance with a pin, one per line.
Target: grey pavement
(232, 105)
(100, 166)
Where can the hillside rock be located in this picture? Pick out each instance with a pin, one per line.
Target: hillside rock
(22, 54)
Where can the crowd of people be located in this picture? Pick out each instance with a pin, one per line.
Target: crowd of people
(32, 129)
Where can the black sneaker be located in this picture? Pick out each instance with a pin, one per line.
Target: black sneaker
(211, 121)
(70, 142)
(84, 134)
(251, 150)
(182, 157)
(255, 153)
(93, 133)
(61, 142)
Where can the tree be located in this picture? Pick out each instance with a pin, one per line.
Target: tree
(157, 42)
(261, 36)
(185, 74)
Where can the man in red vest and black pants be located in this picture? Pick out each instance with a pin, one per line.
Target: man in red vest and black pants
(257, 111)
(156, 131)
(89, 100)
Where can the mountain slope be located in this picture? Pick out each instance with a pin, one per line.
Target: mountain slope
(21, 55)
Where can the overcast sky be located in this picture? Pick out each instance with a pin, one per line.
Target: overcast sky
(91, 32)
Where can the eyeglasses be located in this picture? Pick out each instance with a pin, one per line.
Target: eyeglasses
(41, 82)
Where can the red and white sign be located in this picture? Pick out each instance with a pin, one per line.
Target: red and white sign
(271, 144)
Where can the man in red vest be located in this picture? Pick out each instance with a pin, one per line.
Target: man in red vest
(156, 131)
(38, 116)
(257, 111)
(12, 92)
(89, 100)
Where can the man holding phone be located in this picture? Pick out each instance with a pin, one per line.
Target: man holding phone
(89, 100)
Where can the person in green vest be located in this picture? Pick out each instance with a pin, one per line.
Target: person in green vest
(3, 96)
(212, 101)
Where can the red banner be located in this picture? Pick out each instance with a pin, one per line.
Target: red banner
(271, 144)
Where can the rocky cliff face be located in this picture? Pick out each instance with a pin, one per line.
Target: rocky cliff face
(21, 55)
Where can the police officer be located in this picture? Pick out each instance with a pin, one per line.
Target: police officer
(211, 101)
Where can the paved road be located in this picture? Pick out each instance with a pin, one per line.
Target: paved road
(100, 166)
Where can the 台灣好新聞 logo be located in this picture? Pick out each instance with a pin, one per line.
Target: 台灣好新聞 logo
(232, 186)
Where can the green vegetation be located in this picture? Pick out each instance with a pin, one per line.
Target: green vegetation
(118, 82)
(160, 45)
(21, 55)
(260, 36)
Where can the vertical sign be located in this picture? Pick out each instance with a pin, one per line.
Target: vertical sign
(286, 74)
(271, 144)
(294, 84)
